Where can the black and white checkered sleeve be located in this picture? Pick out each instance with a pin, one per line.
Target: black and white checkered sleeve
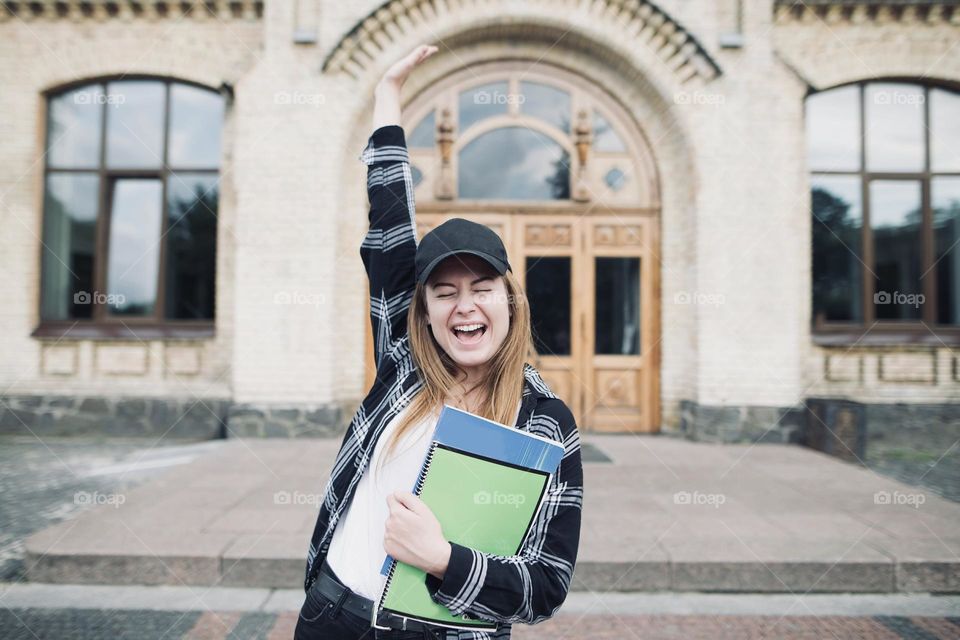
(389, 246)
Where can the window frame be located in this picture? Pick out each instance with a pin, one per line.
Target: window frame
(102, 325)
(437, 192)
(871, 331)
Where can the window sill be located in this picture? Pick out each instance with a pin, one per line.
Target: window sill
(85, 330)
(880, 336)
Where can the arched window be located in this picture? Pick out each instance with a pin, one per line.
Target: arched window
(884, 160)
(130, 203)
(506, 132)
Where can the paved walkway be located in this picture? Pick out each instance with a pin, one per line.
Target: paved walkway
(216, 625)
(49, 481)
(32, 611)
(662, 515)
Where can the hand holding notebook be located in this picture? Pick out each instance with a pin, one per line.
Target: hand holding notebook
(485, 483)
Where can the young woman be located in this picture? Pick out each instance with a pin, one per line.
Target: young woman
(451, 325)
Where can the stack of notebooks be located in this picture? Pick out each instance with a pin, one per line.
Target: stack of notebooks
(485, 483)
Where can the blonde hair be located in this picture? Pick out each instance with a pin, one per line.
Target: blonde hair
(502, 385)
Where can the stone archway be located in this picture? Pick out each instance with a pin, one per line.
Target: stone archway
(638, 79)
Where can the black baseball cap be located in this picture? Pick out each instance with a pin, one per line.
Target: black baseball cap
(455, 236)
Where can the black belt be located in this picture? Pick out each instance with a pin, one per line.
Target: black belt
(330, 587)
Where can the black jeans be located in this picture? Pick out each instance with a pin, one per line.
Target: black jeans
(321, 619)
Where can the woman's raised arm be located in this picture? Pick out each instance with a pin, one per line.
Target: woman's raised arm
(390, 243)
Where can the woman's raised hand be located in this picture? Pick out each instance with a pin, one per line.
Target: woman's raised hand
(397, 74)
(386, 108)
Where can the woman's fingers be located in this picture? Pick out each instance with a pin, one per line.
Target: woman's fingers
(397, 502)
(400, 70)
(392, 503)
(426, 51)
(407, 499)
(422, 52)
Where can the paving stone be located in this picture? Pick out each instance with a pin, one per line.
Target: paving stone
(243, 513)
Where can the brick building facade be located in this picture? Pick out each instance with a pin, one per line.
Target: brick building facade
(690, 134)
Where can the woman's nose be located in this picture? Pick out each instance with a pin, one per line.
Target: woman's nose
(466, 303)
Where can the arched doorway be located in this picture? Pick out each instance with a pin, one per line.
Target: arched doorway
(556, 168)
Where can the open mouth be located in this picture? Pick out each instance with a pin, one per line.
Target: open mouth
(469, 333)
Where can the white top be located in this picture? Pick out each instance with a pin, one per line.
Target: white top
(356, 550)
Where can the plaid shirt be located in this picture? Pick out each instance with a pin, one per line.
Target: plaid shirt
(528, 587)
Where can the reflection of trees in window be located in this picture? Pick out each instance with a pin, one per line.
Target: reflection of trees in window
(104, 234)
(192, 254)
(560, 180)
(895, 143)
(836, 272)
(514, 163)
(946, 232)
(895, 220)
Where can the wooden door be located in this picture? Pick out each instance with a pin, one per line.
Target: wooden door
(547, 256)
(620, 309)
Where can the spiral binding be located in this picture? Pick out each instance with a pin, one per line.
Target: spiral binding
(416, 491)
(426, 467)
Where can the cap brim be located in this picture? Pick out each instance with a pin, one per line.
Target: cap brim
(500, 266)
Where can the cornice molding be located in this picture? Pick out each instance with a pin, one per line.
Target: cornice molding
(638, 20)
(102, 10)
(867, 11)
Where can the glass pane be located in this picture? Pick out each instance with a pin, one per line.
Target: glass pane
(604, 137)
(135, 124)
(548, 103)
(69, 245)
(617, 306)
(516, 163)
(944, 130)
(895, 218)
(945, 200)
(73, 128)
(423, 135)
(134, 260)
(615, 179)
(833, 130)
(894, 128)
(837, 251)
(196, 120)
(482, 102)
(191, 246)
(548, 290)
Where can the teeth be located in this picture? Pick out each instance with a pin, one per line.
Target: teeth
(468, 327)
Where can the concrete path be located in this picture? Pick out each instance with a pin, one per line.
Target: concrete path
(29, 595)
(30, 612)
(661, 515)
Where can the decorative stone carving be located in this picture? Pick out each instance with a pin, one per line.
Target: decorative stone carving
(132, 9)
(639, 21)
(583, 136)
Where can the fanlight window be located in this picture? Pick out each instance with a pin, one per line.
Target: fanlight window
(522, 136)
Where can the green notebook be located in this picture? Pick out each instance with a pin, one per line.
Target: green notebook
(485, 483)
